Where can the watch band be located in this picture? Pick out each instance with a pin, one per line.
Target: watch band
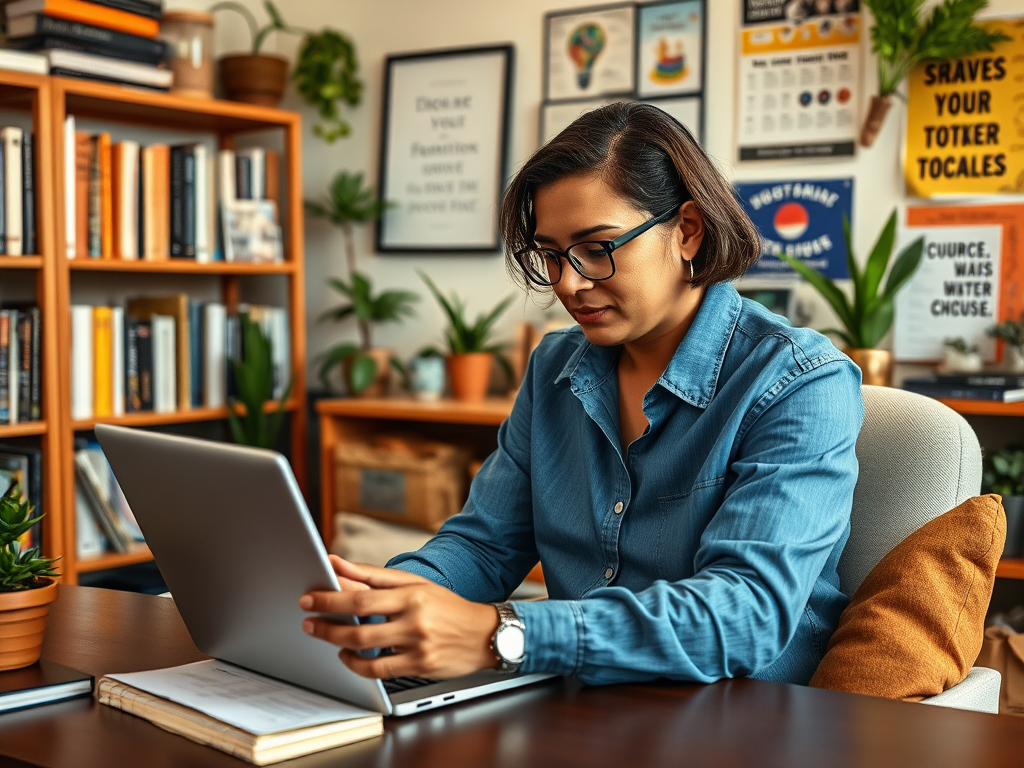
(506, 618)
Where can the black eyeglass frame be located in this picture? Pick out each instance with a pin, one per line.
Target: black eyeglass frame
(607, 245)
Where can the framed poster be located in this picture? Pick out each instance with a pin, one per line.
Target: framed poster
(589, 52)
(554, 118)
(803, 219)
(799, 79)
(443, 151)
(688, 110)
(670, 48)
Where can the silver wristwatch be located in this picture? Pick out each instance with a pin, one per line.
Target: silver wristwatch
(509, 640)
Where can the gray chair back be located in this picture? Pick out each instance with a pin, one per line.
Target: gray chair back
(918, 459)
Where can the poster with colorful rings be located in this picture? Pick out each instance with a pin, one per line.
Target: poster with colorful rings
(802, 219)
(670, 48)
(799, 79)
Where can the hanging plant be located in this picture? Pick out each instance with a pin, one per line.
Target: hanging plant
(325, 75)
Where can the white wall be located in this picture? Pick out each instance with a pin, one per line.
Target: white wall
(381, 27)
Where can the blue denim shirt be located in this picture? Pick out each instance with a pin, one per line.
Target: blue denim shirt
(708, 549)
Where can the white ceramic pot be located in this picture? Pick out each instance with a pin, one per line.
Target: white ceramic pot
(961, 362)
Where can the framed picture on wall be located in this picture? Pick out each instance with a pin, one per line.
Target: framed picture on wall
(589, 52)
(688, 110)
(554, 118)
(444, 149)
(670, 49)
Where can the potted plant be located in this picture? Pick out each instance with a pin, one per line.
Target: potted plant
(869, 316)
(254, 385)
(1004, 474)
(325, 73)
(364, 367)
(902, 37)
(471, 353)
(26, 585)
(960, 357)
(1012, 333)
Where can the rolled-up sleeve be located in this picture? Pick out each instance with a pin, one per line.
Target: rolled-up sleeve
(786, 510)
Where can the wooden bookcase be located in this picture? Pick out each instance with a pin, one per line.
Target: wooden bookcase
(50, 99)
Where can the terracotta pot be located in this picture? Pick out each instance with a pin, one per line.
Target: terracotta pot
(22, 624)
(470, 374)
(381, 382)
(880, 106)
(254, 79)
(874, 364)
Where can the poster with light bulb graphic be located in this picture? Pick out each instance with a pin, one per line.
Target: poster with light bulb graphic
(590, 53)
(670, 49)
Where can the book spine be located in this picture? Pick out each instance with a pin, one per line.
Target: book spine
(164, 365)
(102, 364)
(177, 202)
(133, 400)
(272, 177)
(195, 353)
(11, 138)
(28, 193)
(144, 344)
(24, 366)
(117, 360)
(93, 226)
(101, 38)
(243, 178)
(36, 397)
(959, 393)
(3, 203)
(13, 366)
(69, 186)
(106, 196)
(126, 201)
(188, 204)
(145, 10)
(104, 516)
(81, 362)
(5, 366)
(201, 206)
(84, 152)
(214, 368)
(90, 13)
(233, 351)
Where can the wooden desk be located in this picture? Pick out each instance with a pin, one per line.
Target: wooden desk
(741, 723)
(474, 425)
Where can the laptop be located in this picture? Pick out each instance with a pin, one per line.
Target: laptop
(237, 547)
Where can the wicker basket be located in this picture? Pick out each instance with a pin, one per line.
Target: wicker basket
(403, 480)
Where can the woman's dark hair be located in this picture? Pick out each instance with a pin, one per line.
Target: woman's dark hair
(652, 161)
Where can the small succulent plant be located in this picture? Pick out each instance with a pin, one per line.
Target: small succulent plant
(20, 569)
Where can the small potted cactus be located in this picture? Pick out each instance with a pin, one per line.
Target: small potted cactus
(26, 586)
(959, 356)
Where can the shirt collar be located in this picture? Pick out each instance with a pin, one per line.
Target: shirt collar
(692, 373)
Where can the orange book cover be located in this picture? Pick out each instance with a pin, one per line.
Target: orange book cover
(156, 212)
(83, 156)
(103, 372)
(98, 15)
(272, 178)
(106, 197)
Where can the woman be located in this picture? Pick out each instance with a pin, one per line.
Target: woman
(681, 462)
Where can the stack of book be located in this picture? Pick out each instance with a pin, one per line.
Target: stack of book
(20, 355)
(163, 354)
(108, 40)
(158, 202)
(24, 465)
(103, 519)
(977, 386)
(17, 192)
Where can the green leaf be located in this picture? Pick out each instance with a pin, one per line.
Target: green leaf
(362, 373)
(876, 324)
(333, 357)
(828, 289)
(878, 260)
(904, 267)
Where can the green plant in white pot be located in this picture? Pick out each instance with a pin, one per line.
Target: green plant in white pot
(869, 316)
(1011, 333)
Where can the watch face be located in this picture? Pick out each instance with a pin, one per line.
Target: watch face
(510, 643)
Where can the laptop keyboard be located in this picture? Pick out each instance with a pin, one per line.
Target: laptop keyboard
(399, 684)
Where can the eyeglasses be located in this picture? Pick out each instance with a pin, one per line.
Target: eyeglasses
(592, 259)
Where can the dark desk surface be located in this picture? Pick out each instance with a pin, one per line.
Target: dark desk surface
(738, 723)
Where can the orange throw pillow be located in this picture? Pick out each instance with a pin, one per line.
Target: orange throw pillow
(915, 625)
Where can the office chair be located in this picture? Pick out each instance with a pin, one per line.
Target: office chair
(918, 460)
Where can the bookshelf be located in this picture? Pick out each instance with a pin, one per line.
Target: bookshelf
(48, 100)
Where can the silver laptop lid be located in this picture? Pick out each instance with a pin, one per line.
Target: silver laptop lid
(237, 547)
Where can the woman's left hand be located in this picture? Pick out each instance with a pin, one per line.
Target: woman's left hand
(434, 633)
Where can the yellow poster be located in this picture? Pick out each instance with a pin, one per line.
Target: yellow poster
(965, 121)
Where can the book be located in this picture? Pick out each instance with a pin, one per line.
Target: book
(107, 519)
(165, 389)
(69, 186)
(81, 362)
(176, 308)
(41, 31)
(154, 206)
(108, 491)
(106, 196)
(272, 177)
(13, 368)
(195, 353)
(23, 61)
(214, 355)
(41, 683)
(968, 380)
(87, 13)
(117, 349)
(28, 193)
(250, 231)
(177, 201)
(26, 346)
(102, 387)
(967, 393)
(258, 719)
(32, 458)
(132, 395)
(84, 161)
(11, 138)
(3, 204)
(93, 226)
(24, 367)
(76, 63)
(144, 347)
(202, 204)
(89, 539)
(5, 366)
(125, 192)
(252, 173)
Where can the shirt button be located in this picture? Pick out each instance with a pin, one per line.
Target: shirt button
(618, 508)
(608, 573)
